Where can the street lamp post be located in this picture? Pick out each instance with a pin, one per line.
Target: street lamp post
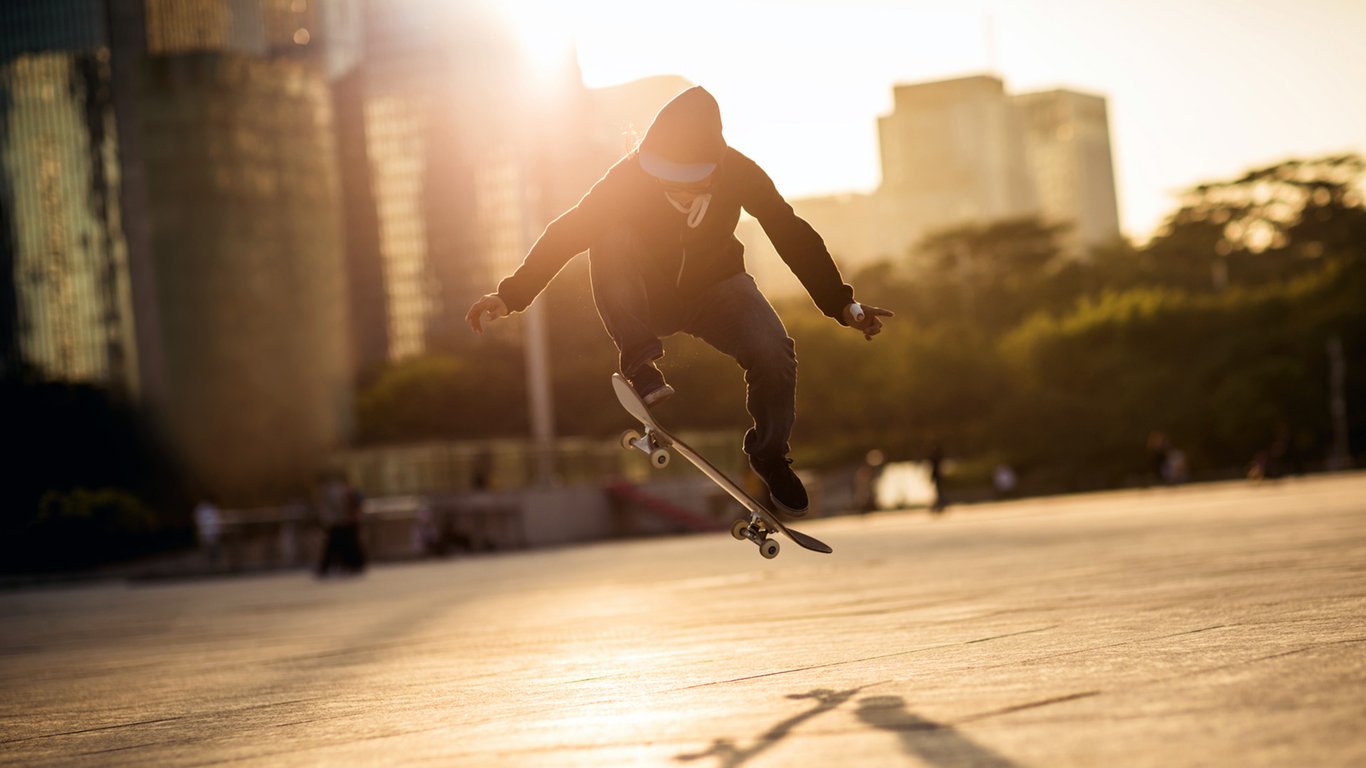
(536, 348)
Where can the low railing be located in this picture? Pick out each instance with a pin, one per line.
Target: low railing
(459, 467)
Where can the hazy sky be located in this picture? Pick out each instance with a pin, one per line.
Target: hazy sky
(1198, 89)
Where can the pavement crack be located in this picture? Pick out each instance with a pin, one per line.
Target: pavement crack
(1282, 654)
(1108, 646)
(1029, 705)
(865, 659)
(161, 720)
(1010, 634)
(97, 729)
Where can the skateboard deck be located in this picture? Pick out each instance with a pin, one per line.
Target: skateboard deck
(657, 442)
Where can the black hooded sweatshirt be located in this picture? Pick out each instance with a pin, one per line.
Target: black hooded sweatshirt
(693, 258)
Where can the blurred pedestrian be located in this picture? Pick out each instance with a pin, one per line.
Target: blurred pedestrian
(1177, 470)
(936, 462)
(355, 515)
(1003, 480)
(1158, 450)
(481, 473)
(1279, 458)
(339, 510)
(865, 481)
(659, 228)
(426, 533)
(208, 523)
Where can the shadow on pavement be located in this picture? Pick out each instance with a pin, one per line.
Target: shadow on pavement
(729, 755)
(934, 743)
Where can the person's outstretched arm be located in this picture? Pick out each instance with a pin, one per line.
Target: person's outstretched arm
(564, 238)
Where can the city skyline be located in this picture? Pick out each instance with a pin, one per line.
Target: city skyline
(1196, 91)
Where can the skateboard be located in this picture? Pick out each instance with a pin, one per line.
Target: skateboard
(656, 442)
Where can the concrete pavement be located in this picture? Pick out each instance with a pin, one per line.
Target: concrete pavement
(1208, 625)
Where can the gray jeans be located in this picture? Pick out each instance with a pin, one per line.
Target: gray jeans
(639, 304)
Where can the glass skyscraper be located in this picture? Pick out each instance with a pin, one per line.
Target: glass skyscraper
(170, 177)
(65, 302)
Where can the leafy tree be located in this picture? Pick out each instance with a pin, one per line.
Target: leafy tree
(444, 397)
(997, 271)
(1269, 224)
(1221, 374)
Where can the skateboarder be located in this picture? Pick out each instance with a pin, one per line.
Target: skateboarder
(663, 257)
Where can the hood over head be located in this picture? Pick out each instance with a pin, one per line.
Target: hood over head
(684, 143)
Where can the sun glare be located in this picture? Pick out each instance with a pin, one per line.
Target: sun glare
(544, 35)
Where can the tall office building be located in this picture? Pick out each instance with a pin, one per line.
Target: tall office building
(463, 165)
(367, 298)
(953, 151)
(168, 195)
(400, 82)
(235, 118)
(1067, 136)
(65, 298)
(964, 151)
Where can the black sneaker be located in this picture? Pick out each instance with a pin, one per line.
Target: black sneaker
(784, 487)
(650, 385)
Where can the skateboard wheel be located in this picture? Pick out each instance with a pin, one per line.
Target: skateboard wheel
(737, 529)
(769, 549)
(659, 459)
(628, 438)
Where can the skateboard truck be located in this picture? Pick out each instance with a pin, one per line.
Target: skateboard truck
(650, 444)
(756, 531)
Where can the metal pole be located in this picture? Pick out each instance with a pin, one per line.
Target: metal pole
(539, 395)
(540, 399)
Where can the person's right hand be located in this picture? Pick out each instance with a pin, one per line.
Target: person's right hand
(489, 305)
(868, 319)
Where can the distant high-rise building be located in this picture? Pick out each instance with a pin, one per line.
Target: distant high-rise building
(953, 151)
(238, 151)
(964, 151)
(65, 297)
(1067, 136)
(367, 295)
(401, 83)
(168, 195)
(445, 105)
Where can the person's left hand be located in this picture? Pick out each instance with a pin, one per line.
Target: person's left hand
(866, 318)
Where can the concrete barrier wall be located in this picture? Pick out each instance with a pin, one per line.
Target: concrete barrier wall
(415, 526)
